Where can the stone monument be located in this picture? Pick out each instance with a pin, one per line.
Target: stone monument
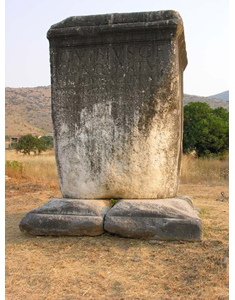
(117, 111)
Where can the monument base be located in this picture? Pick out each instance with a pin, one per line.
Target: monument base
(160, 219)
(73, 217)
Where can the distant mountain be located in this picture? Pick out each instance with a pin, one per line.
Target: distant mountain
(221, 96)
(214, 103)
(28, 110)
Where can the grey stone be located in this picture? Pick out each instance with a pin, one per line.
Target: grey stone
(67, 217)
(117, 104)
(186, 198)
(162, 219)
(117, 112)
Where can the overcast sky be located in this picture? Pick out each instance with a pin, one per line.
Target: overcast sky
(206, 25)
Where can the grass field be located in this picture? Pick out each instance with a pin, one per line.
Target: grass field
(110, 267)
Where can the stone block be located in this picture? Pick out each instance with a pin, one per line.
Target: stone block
(71, 217)
(161, 219)
(117, 101)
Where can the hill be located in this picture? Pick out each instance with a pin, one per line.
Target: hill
(214, 103)
(28, 110)
(221, 96)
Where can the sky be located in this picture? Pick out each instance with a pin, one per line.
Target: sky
(206, 26)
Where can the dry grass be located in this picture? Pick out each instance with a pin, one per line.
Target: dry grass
(39, 169)
(110, 267)
(199, 170)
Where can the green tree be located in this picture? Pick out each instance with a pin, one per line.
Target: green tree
(48, 141)
(222, 113)
(28, 143)
(206, 130)
(40, 145)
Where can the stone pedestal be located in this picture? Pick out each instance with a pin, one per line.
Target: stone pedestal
(117, 104)
(161, 219)
(67, 217)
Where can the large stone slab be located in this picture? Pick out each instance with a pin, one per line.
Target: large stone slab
(117, 99)
(67, 217)
(164, 219)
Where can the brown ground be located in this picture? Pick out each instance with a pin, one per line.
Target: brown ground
(110, 267)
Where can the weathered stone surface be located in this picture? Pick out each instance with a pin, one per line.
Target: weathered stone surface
(117, 104)
(66, 217)
(163, 219)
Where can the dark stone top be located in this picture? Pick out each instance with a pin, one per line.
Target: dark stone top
(120, 18)
(97, 25)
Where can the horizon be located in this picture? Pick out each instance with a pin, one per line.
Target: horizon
(38, 86)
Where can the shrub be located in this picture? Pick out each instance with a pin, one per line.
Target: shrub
(114, 201)
(14, 168)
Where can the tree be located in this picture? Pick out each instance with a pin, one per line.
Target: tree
(28, 143)
(222, 113)
(48, 141)
(40, 145)
(206, 130)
